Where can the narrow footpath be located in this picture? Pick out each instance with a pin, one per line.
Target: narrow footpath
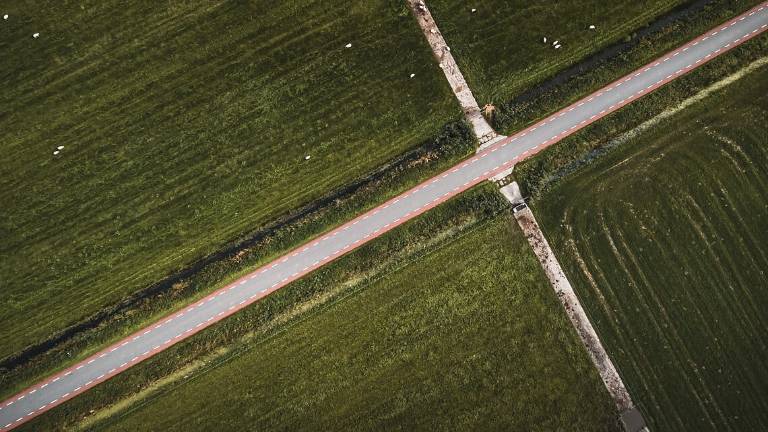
(442, 52)
(630, 416)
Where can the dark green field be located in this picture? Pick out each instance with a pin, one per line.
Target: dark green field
(665, 241)
(500, 47)
(184, 125)
(469, 337)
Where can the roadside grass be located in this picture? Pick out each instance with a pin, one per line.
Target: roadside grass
(537, 172)
(113, 323)
(184, 126)
(262, 319)
(664, 238)
(466, 337)
(500, 47)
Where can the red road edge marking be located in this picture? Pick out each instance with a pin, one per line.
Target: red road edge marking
(650, 63)
(544, 145)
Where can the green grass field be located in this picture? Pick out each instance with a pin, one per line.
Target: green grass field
(171, 118)
(184, 125)
(500, 47)
(278, 312)
(665, 241)
(469, 337)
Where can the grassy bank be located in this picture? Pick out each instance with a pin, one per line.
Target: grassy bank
(537, 172)
(500, 47)
(664, 239)
(113, 323)
(183, 127)
(479, 344)
(262, 319)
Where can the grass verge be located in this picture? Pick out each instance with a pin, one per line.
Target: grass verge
(113, 323)
(500, 47)
(265, 316)
(184, 126)
(664, 239)
(480, 344)
(538, 172)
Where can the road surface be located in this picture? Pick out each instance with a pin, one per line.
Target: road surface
(498, 157)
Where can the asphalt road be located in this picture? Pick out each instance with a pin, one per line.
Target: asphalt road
(228, 300)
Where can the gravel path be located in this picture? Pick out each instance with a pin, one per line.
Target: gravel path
(461, 90)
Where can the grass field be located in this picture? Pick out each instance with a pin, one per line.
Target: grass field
(183, 126)
(344, 276)
(226, 129)
(665, 241)
(469, 337)
(500, 47)
(536, 173)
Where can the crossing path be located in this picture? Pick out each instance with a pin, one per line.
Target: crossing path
(304, 259)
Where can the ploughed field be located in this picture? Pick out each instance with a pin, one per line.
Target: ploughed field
(666, 242)
(184, 126)
(469, 336)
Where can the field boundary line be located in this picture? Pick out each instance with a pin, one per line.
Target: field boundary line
(442, 52)
(630, 416)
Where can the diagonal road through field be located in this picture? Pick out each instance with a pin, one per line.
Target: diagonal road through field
(228, 300)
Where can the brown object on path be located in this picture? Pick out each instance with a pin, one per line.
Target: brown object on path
(442, 53)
